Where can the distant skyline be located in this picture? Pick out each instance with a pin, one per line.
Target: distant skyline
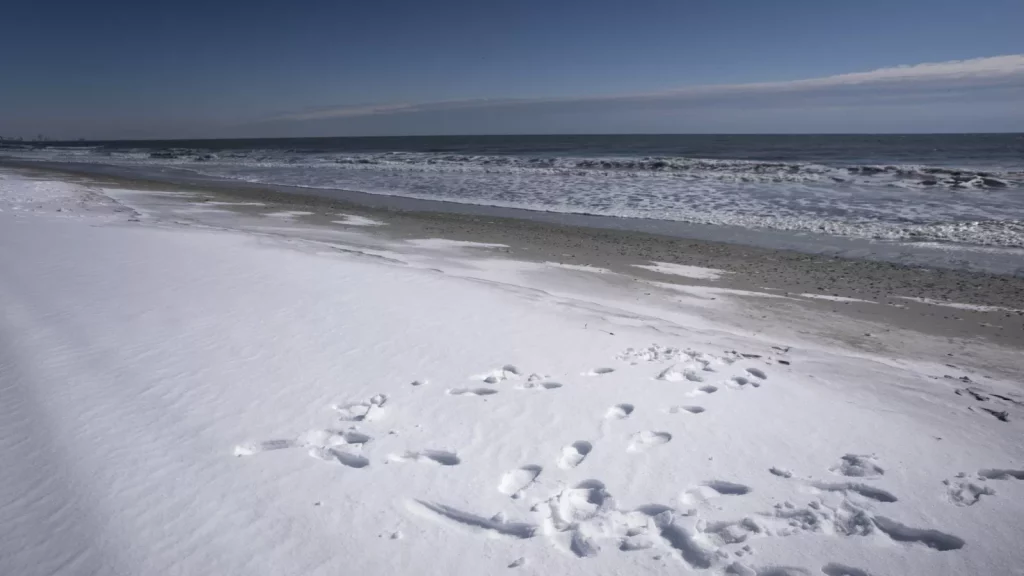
(119, 69)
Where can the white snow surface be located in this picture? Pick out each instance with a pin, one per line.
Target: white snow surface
(960, 305)
(288, 214)
(188, 400)
(235, 203)
(353, 220)
(579, 267)
(696, 272)
(835, 298)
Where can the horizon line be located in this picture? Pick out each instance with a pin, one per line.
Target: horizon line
(84, 141)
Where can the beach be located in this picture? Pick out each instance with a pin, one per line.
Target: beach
(955, 303)
(230, 379)
(938, 201)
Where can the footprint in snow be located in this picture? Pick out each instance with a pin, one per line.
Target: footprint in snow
(713, 489)
(740, 569)
(311, 439)
(619, 412)
(599, 372)
(848, 488)
(439, 457)
(966, 493)
(834, 569)
(472, 391)
(340, 456)
(497, 525)
(676, 374)
(359, 411)
(514, 482)
(331, 438)
(686, 410)
(757, 373)
(933, 539)
(728, 488)
(538, 385)
(742, 381)
(642, 441)
(858, 466)
(498, 374)
(706, 389)
(574, 454)
(1001, 474)
(353, 437)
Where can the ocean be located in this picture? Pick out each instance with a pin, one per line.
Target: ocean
(965, 189)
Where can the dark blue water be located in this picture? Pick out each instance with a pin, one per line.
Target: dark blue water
(966, 150)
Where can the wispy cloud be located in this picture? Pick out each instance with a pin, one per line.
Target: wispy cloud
(977, 70)
(346, 111)
(384, 109)
(937, 78)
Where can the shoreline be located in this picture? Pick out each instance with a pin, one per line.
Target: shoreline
(878, 292)
(978, 258)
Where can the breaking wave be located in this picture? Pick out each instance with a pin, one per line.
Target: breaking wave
(894, 202)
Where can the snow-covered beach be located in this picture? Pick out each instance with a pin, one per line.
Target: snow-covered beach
(198, 388)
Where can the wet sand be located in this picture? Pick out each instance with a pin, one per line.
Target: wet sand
(884, 285)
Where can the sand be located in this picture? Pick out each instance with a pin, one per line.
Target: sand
(893, 296)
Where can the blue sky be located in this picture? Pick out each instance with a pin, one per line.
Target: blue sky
(111, 69)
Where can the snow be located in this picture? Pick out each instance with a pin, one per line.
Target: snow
(834, 298)
(444, 243)
(579, 267)
(960, 305)
(696, 272)
(288, 214)
(179, 400)
(712, 292)
(353, 220)
(25, 197)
